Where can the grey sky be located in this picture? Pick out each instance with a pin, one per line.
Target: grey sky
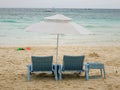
(60, 3)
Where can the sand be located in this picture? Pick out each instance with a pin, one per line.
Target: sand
(13, 68)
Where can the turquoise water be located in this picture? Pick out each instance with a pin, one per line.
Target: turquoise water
(103, 23)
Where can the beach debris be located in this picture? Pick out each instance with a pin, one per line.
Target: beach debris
(93, 54)
(20, 49)
(28, 48)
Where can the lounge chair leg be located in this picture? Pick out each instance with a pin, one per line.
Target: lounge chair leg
(28, 76)
(60, 77)
(79, 72)
(101, 72)
(60, 72)
(52, 72)
(86, 72)
(55, 72)
(104, 73)
(29, 72)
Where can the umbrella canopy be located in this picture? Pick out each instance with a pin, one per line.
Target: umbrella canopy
(58, 17)
(57, 24)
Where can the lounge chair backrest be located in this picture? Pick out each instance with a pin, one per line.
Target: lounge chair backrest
(43, 63)
(73, 62)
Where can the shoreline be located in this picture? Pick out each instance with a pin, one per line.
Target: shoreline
(59, 45)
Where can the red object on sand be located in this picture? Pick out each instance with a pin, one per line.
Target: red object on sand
(28, 48)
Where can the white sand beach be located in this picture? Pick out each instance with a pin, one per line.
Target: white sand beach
(13, 68)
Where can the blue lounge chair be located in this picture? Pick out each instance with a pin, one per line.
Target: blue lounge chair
(42, 63)
(71, 63)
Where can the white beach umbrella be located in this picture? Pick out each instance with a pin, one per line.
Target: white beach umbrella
(57, 24)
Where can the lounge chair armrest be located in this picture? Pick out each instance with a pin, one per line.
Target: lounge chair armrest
(53, 67)
(29, 67)
(60, 68)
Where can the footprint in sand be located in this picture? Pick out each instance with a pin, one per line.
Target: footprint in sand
(91, 88)
(117, 86)
(94, 54)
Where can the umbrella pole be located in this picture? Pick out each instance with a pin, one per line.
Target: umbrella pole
(57, 49)
(56, 66)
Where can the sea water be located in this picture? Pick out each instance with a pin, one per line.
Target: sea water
(103, 23)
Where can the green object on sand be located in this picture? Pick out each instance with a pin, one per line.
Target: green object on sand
(20, 49)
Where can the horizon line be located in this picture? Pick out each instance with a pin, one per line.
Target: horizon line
(51, 8)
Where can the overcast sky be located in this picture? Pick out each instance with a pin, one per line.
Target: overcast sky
(60, 3)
